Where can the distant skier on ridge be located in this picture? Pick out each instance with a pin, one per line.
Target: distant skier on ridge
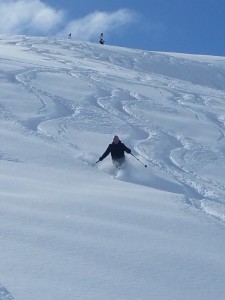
(101, 39)
(117, 149)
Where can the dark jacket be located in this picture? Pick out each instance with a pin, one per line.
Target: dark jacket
(116, 150)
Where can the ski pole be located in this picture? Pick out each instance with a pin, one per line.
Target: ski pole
(139, 160)
(96, 163)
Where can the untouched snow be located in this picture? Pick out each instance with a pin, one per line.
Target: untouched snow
(71, 230)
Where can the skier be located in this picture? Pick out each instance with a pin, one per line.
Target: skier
(69, 36)
(116, 148)
(101, 39)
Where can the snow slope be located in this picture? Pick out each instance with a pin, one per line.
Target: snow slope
(71, 230)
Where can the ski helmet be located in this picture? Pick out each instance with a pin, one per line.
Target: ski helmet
(116, 139)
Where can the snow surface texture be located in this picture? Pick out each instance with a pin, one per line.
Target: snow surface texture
(71, 230)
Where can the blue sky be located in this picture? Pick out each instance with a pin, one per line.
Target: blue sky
(188, 26)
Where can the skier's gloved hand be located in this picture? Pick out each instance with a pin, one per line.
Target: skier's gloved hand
(129, 151)
(100, 158)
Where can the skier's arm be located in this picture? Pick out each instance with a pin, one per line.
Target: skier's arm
(128, 150)
(106, 153)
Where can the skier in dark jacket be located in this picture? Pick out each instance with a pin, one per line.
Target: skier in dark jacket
(117, 149)
(101, 39)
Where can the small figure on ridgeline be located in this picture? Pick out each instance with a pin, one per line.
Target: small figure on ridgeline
(69, 36)
(117, 149)
(101, 39)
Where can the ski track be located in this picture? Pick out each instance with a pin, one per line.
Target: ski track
(132, 112)
(4, 294)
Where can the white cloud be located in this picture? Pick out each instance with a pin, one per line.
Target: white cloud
(35, 17)
(28, 16)
(87, 27)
